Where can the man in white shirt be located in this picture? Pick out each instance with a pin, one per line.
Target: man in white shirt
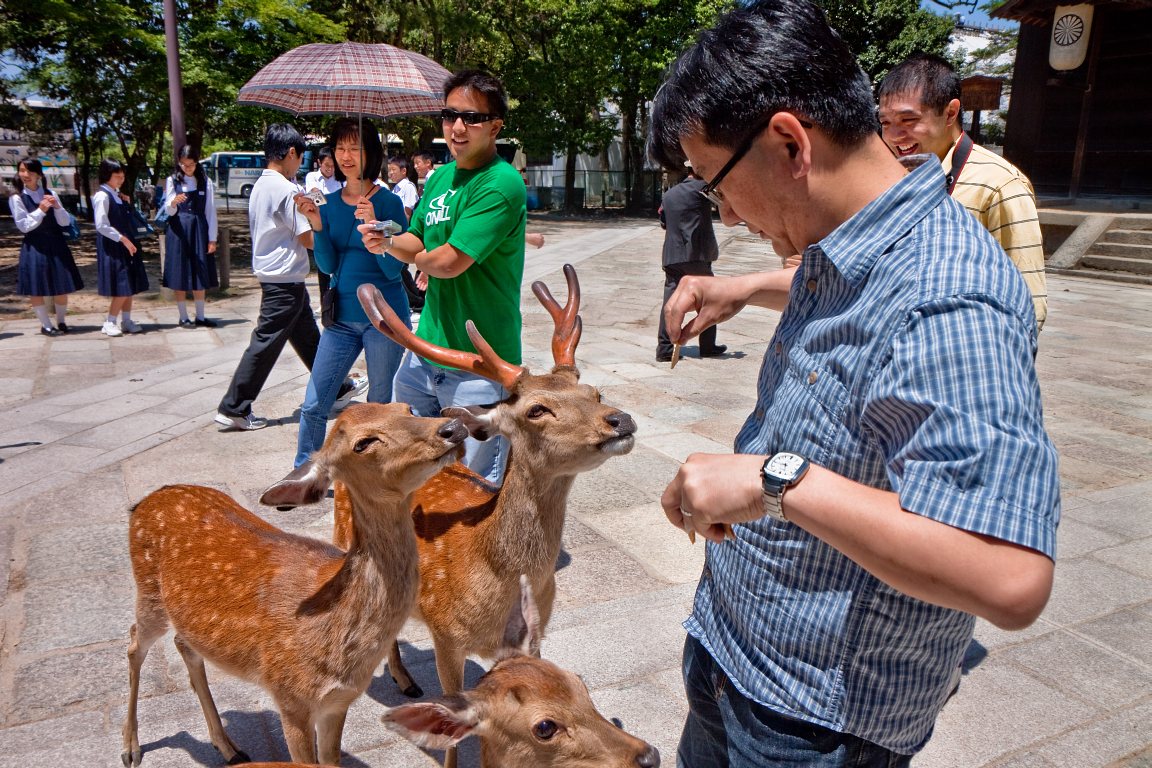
(281, 237)
(423, 161)
(401, 186)
(324, 177)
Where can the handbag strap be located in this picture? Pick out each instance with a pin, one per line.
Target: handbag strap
(959, 158)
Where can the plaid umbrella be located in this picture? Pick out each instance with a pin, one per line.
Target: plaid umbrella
(377, 80)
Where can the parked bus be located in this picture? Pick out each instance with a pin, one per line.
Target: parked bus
(37, 128)
(234, 173)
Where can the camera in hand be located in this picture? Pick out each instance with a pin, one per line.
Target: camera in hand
(387, 227)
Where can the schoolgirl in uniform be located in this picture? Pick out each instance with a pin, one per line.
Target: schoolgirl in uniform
(190, 240)
(46, 264)
(120, 272)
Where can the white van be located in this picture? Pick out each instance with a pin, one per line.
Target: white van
(234, 173)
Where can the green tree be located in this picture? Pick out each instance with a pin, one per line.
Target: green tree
(882, 33)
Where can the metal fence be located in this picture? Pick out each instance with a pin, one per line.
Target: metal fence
(594, 189)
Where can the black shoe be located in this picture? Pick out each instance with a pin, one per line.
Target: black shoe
(203, 323)
(62, 327)
(187, 324)
(716, 351)
(50, 332)
(663, 357)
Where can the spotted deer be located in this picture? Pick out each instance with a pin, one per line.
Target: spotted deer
(475, 539)
(305, 620)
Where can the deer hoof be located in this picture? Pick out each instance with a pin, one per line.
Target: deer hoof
(413, 691)
(133, 758)
(239, 758)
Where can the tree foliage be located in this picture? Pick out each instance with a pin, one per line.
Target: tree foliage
(882, 33)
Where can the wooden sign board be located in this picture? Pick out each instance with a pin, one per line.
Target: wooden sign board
(980, 92)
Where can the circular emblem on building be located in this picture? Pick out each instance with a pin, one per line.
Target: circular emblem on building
(1068, 29)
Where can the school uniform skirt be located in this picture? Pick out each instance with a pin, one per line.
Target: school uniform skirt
(187, 264)
(117, 273)
(47, 269)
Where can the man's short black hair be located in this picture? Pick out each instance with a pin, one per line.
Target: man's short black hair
(363, 131)
(770, 56)
(400, 162)
(324, 153)
(280, 138)
(930, 77)
(431, 158)
(481, 82)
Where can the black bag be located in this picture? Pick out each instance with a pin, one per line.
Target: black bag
(328, 308)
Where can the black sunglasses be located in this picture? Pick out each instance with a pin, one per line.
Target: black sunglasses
(469, 118)
(709, 190)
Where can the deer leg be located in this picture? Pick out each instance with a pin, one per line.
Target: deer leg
(329, 729)
(141, 638)
(545, 596)
(300, 732)
(450, 670)
(400, 674)
(196, 675)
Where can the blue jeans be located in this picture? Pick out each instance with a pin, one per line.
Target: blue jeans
(428, 388)
(340, 345)
(725, 728)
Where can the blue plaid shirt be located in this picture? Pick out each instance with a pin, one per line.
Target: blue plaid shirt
(904, 361)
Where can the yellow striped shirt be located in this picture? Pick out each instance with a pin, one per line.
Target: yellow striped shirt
(1001, 198)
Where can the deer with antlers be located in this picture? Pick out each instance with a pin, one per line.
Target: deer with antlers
(307, 621)
(475, 539)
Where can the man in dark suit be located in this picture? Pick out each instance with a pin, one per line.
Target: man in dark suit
(689, 249)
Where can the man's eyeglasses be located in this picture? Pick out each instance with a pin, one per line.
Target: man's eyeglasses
(469, 118)
(715, 196)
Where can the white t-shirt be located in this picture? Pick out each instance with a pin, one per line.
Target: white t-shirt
(327, 185)
(406, 191)
(278, 256)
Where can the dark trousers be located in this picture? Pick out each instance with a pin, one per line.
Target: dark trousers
(725, 729)
(285, 318)
(672, 275)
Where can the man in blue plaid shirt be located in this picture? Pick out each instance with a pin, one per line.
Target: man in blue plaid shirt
(895, 480)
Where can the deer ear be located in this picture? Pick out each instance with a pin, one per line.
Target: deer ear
(435, 724)
(306, 484)
(477, 419)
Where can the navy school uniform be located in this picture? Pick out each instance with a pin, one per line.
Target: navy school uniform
(187, 264)
(117, 273)
(46, 264)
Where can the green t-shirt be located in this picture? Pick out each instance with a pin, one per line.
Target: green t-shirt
(482, 213)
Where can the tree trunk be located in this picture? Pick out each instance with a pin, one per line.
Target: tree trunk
(570, 203)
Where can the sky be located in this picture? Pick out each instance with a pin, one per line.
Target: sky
(977, 18)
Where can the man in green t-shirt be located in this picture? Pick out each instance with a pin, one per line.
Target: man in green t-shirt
(467, 236)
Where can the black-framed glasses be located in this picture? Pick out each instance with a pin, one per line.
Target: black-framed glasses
(709, 190)
(469, 118)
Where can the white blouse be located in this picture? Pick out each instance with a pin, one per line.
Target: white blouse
(26, 220)
(100, 204)
(188, 184)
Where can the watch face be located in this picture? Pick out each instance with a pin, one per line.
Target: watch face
(785, 465)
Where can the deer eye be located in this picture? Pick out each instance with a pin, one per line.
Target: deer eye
(363, 443)
(536, 411)
(544, 730)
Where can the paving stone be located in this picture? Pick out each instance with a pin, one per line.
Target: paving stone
(97, 496)
(1111, 589)
(645, 533)
(1135, 557)
(1125, 632)
(74, 553)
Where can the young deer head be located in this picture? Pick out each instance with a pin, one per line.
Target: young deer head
(528, 713)
(308, 622)
(474, 539)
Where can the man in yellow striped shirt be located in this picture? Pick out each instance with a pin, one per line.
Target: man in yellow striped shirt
(920, 113)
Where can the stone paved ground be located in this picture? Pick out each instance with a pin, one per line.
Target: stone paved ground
(90, 425)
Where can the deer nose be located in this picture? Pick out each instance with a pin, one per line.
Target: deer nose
(621, 422)
(650, 759)
(454, 431)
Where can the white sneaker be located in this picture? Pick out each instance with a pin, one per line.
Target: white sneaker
(358, 386)
(244, 423)
(111, 329)
(130, 326)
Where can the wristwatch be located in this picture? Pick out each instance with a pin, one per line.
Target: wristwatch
(778, 474)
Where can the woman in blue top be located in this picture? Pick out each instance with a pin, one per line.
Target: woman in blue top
(340, 252)
(46, 264)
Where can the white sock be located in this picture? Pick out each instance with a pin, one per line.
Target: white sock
(182, 306)
(61, 311)
(200, 309)
(42, 315)
(111, 320)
